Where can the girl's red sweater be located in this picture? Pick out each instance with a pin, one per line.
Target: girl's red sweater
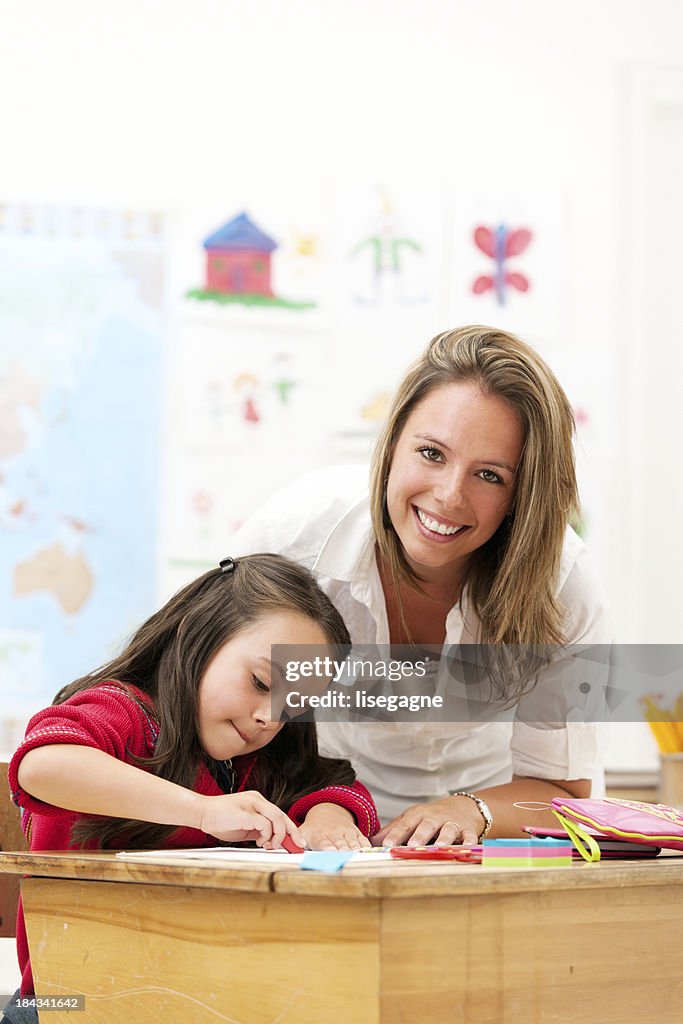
(121, 722)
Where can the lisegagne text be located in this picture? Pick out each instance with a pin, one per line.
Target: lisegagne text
(363, 699)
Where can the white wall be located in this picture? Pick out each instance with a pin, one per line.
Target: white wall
(155, 104)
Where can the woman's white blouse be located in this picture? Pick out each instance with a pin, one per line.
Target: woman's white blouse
(323, 522)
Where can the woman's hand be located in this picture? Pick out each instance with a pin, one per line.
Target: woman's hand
(455, 819)
(331, 827)
(248, 816)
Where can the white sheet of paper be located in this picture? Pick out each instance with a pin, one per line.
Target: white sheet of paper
(209, 856)
(214, 854)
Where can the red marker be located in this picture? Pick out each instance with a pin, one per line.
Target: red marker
(467, 854)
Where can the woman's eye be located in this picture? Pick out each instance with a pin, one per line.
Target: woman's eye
(490, 476)
(260, 685)
(430, 454)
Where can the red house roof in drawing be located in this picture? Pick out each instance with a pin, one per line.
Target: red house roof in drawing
(238, 259)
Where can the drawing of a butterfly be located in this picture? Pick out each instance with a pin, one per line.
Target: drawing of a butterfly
(501, 244)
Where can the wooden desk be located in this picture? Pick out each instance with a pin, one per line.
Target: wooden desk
(436, 943)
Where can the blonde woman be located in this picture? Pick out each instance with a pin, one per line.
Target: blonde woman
(462, 536)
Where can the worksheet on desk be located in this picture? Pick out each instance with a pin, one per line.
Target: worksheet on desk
(210, 856)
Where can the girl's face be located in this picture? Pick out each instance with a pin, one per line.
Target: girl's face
(235, 691)
(452, 477)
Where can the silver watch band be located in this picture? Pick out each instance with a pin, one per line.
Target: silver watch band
(484, 810)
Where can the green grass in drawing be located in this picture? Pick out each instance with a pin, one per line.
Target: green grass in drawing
(225, 299)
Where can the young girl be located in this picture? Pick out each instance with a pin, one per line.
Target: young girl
(171, 744)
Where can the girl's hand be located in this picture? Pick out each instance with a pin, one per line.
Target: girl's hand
(455, 819)
(331, 827)
(248, 816)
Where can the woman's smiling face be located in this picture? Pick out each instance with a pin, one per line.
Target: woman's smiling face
(452, 477)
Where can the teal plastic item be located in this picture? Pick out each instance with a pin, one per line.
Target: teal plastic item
(325, 860)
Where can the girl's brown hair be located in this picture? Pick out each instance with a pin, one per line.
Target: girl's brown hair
(167, 658)
(512, 579)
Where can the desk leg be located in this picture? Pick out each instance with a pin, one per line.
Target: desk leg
(157, 954)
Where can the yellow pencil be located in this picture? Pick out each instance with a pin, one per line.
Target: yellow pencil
(661, 725)
(678, 721)
(675, 733)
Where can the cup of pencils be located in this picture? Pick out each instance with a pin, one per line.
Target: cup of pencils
(667, 729)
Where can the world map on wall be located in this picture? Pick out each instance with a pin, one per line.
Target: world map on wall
(81, 373)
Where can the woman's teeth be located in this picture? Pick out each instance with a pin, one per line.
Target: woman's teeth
(431, 524)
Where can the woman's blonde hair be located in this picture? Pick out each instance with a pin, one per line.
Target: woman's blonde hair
(512, 578)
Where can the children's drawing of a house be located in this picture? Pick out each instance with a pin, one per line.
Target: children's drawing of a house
(238, 259)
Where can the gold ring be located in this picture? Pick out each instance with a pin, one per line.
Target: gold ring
(453, 823)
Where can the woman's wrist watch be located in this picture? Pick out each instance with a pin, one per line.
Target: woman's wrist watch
(484, 810)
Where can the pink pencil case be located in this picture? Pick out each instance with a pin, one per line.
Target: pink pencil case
(632, 820)
(610, 849)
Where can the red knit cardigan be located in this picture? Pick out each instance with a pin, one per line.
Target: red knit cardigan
(121, 721)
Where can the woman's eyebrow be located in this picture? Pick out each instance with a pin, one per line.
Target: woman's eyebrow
(431, 440)
(500, 465)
